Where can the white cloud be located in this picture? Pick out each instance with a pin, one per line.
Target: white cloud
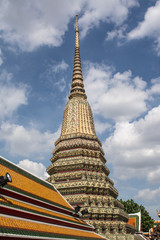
(149, 27)
(37, 23)
(139, 83)
(37, 169)
(55, 75)
(119, 33)
(149, 194)
(61, 66)
(61, 84)
(11, 96)
(1, 60)
(101, 126)
(134, 148)
(155, 88)
(114, 11)
(27, 142)
(119, 96)
(154, 176)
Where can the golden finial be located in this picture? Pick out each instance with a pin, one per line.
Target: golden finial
(77, 33)
(77, 23)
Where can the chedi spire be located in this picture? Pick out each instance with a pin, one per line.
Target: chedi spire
(77, 79)
(78, 169)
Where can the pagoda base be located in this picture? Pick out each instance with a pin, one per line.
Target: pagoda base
(113, 229)
(121, 237)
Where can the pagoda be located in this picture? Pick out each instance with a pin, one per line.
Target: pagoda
(78, 167)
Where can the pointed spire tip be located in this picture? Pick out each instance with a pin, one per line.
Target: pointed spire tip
(77, 78)
(77, 22)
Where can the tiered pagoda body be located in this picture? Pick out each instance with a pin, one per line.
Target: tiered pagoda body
(78, 167)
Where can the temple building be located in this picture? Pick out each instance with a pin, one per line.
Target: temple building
(32, 209)
(78, 166)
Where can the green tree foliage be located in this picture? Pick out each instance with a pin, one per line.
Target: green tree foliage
(132, 207)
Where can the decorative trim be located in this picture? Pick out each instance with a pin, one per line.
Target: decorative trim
(36, 217)
(26, 234)
(30, 198)
(74, 220)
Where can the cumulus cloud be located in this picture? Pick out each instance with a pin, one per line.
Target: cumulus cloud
(11, 96)
(119, 95)
(155, 89)
(37, 169)
(55, 75)
(149, 27)
(27, 142)
(107, 11)
(1, 60)
(61, 84)
(38, 23)
(119, 33)
(58, 67)
(154, 175)
(149, 194)
(101, 126)
(134, 147)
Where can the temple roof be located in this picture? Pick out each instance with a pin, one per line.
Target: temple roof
(32, 208)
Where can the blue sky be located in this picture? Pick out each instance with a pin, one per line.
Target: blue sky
(120, 53)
